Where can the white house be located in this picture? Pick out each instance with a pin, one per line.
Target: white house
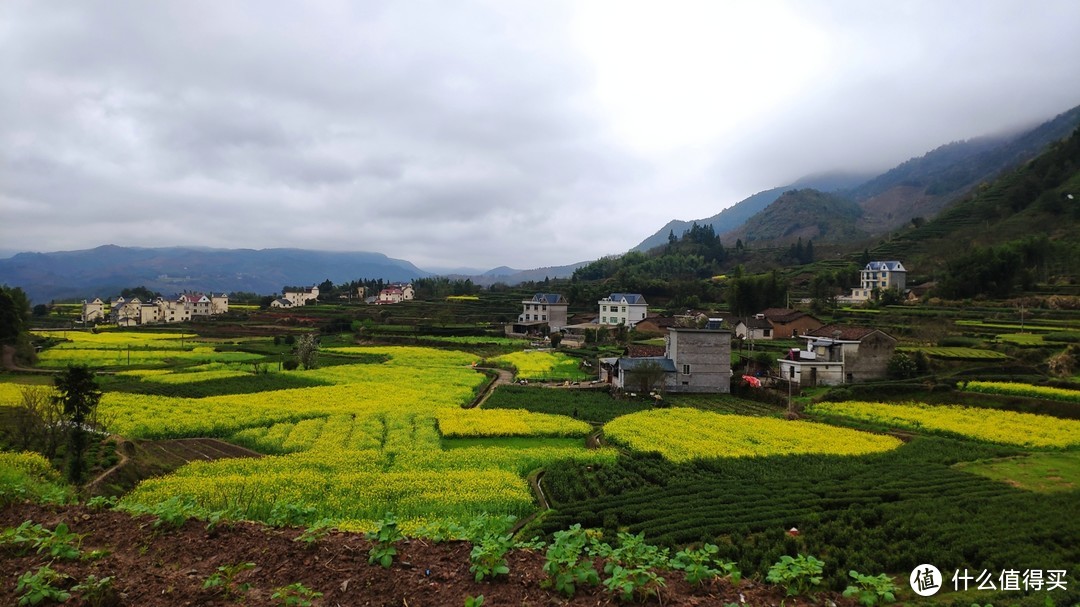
(622, 309)
(837, 355)
(302, 297)
(93, 310)
(396, 293)
(880, 275)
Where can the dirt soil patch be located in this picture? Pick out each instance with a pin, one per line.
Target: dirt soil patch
(157, 568)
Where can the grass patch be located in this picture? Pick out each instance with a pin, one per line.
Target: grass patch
(1039, 472)
(594, 406)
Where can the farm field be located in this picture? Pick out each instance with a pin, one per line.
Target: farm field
(383, 431)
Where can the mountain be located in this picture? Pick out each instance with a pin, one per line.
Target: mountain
(512, 277)
(924, 186)
(105, 270)
(736, 215)
(919, 187)
(807, 214)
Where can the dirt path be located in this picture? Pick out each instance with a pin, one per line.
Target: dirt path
(7, 356)
(504, 378)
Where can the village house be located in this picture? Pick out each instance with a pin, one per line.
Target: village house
(93, 311)
(540, 311)
(694, 360)
(787, 323)
(623, 309)
(755, 328)
(396, 293)
(837, 355)
(299, 297)
(880, 276)
(134, 312)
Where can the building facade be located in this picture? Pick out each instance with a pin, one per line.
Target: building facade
(880, 275)
(622, 309)
(547, 308)
(839, 355)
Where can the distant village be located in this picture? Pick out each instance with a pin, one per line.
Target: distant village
(696, 355)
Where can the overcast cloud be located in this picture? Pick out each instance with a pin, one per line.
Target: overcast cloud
(489, 132)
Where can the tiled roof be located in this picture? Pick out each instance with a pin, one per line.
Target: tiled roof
(889, 266)
(631, 298)
(549, 298)
(841, 332)
(643, 350)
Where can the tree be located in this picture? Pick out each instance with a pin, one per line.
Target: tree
(79, 394)
(556, 339)
(901, 366)
(307, 350)
(647, 375)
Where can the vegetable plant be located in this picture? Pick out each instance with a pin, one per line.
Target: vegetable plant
(295, 595)
(871, 590)
(97, 592)
(383, 550)
(798, 575)
(38, 586)
(489, 556)
(225, 579)
(701, 565)
(566, 564)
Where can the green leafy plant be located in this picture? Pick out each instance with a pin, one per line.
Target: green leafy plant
(225, 579)
(24, 537)
(39, 586)
(100, 502)
(701, 565)
(315, 533)
(629, 583)
(383, 550)
(798, 575)
(97, 592)
(288, 513)
(567, 566)
(295, 595)
(474, 601)
(61, 543)
(489, 556)
(871, 590)
(630, 567)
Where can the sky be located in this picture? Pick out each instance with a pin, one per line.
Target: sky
(477, 134)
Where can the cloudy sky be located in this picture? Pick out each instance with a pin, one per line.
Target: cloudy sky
(483, 133)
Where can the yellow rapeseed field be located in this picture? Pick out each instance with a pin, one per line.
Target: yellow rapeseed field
(992, 425)
(682, 434)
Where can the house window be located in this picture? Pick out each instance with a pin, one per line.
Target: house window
(766, 332)
(624, 309)
(791, 371)
(545, 317)
(686, 369)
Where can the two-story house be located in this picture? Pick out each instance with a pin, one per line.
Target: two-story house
(93, 311)
(622, 309)
(880, 275)
(396, 293)
(837, 355)
(301, 297)
(694, 360)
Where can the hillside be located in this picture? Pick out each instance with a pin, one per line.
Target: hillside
(107, 269)
(923, 186)
(806, 214)
(1035, 208)
(736, 215)
(917, 188)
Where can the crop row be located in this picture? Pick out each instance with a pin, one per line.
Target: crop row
(464, 423)
(878, 512)
(1018, 389)
(682, 434)
(543, 366)
(1007, 427)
